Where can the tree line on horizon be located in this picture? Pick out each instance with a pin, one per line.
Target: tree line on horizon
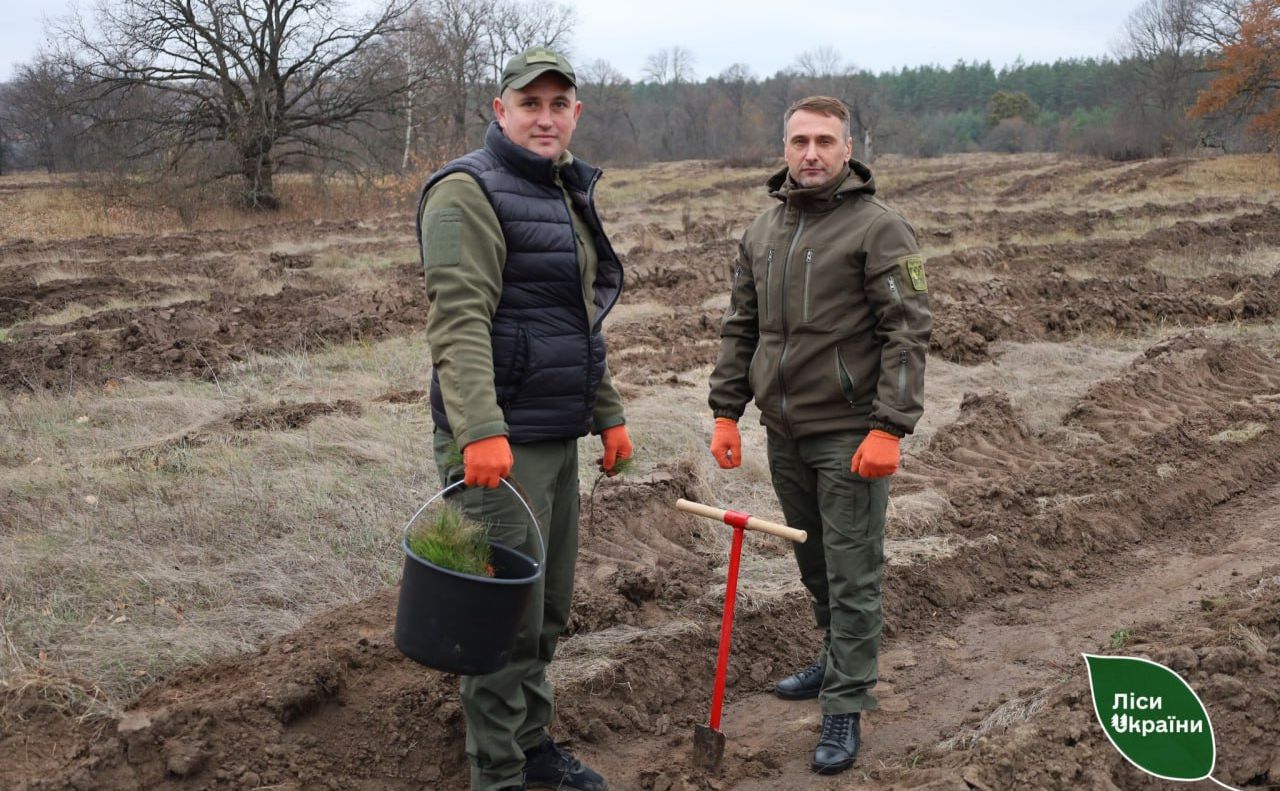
(199, 92)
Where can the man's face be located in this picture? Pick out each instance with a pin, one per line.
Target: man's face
(816, 148)
(541, 116)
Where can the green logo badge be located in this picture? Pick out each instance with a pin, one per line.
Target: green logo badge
(915, 271)
(1152, 717)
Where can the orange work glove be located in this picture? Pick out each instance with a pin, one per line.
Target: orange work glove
(877, 456)
(726, 443)
(617, 446)
(486, 461)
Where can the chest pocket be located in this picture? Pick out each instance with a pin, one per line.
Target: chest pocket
(825, 284)
(766, 271)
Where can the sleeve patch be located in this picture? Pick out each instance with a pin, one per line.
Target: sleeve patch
(913, 265)
(442, 237)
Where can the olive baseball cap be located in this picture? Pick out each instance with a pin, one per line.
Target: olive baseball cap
(526, 67)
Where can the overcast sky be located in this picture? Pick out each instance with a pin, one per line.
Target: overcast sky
(769, 34)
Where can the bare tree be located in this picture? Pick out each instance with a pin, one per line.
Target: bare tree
(609, 126)
(38, 107)
(822, 63)
(1160, 42)
(516, 27)
(670, 67)
(271, 81)
(1160, 47)
(1216, 23)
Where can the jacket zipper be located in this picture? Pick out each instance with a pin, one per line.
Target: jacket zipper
(893, 291)
(902, 377)
(577, 260)
(782, 359)
(595, 217)
(768, 281)
(808, 264)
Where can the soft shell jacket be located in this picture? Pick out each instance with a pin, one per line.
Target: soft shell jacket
(829, 321)
(517, 312)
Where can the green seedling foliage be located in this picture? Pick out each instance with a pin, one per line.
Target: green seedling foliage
(1119, 637)
(453, 455)
(449, 540)
(620, 466)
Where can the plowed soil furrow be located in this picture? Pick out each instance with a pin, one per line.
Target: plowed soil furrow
(200, 339)
(1008, 653)
(638, 663)
(25, 302)
(1137, 503)
(943, 225)
(1232, 235)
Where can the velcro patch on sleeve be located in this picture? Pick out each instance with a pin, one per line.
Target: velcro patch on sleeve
(913, 266)
(442, 237)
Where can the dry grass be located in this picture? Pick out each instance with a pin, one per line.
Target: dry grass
(592, 659)
(1012, 712)
(76, 310)
(1255, 261)
(117, 571)
(68, 206)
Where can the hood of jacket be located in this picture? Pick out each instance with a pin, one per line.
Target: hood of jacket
(855, 177)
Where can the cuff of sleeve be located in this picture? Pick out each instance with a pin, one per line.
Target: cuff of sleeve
(729, 413)
(492, 428)
(888, 428)
(599, 424)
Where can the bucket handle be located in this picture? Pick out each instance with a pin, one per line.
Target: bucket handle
(516, 489)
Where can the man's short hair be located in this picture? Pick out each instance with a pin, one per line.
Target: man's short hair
(822, 105)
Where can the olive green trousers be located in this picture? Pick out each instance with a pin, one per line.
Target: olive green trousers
(842, 562)
(508, 711)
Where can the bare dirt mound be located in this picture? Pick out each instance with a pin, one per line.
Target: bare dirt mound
(1138, 177)
(1229, 653)
(1030, 223)
(1230, 236)
(21, 302)
(200, 339)
(969, 316)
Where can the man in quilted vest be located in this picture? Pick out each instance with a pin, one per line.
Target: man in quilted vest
(521, 276)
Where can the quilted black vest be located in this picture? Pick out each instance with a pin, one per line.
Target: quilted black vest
(547, 361)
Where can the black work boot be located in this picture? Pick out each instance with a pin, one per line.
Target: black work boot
(838, 744)
(551, 766)
(802, 684)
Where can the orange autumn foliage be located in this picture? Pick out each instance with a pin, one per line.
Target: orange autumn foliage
(1248, 71)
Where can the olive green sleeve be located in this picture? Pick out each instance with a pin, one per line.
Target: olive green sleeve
(464, 252)
(608, 411)
(739, 334)
(899, 297)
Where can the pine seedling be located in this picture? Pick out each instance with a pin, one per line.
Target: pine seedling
(451, 541)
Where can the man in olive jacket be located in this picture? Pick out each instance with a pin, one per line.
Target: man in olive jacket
(827, 328)
(521, 275)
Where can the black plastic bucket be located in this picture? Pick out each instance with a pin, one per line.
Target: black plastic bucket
(463, 623)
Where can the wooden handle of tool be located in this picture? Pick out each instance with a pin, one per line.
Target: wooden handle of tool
(753, 523)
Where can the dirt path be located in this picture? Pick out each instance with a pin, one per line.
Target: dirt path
(933, 684)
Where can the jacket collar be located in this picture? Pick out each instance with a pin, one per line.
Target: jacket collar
(575, 173)
(855, 177)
